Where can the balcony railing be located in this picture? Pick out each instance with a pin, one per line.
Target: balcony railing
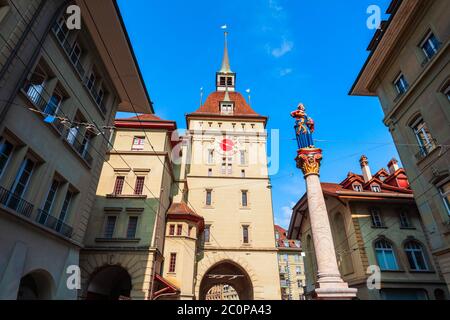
(425, 150)
(15, 203)
(81, 150)
(45, 219)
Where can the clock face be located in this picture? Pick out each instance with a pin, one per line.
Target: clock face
(226, 145)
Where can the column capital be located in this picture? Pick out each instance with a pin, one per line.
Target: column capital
(308, 160)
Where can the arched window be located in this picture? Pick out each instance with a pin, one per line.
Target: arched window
(385, 255)
(416, 256)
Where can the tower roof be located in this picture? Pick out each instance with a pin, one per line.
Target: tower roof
(226, 60)
(212, 105)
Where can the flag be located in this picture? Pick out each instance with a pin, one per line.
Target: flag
(49, 119)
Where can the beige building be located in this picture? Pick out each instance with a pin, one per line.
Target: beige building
(375, 223)
(408, 70)
(291, 266)
(59, 89)
(125, 237)
(227, 184)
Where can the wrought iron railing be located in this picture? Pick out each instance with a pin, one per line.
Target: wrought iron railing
(425, 150)
(15, 203)
(45, 219)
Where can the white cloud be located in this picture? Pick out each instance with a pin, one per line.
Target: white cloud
(285, 47)
(283, 217)
(285, 72)
(274, 5)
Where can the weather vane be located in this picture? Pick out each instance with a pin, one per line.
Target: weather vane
(304, 127)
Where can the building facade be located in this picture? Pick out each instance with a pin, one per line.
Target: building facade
(226, 183)
(125, 237)
(291, 266)
(408, 70)
(60, 90)
(375, 224)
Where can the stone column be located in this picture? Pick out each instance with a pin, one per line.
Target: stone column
(330, 285)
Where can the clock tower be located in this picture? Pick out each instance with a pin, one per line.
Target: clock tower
(226, 182)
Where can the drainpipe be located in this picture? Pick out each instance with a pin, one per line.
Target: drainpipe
(36, 52)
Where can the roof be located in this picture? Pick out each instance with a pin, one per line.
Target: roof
(145, 121)
(165, 287)
(181, 211)
(212, 105)
(281, 242)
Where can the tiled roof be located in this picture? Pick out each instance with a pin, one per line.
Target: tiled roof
(212, 104)
(283, 237)
(142, 117)
(181, 208)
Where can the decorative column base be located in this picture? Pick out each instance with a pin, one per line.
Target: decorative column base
(333, 288)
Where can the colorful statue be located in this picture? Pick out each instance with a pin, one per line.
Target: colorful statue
(304, 127)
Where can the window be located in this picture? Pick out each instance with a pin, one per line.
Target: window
(277, 236)
(416, 256)
(173, 262)
(179, 230)
(6, 150)
(207, 234)
(430, 46)
(229, 81)
(244, 198)
(376, 188)
(424, 138)
(243, 158)
(357, 187)
(138, 143)
(110, 226)
(286, 243)
(51, 197)
(118, 187)
(297, 258)
(65, 208)
(226, 108)
(446, 91)
(35, 85)
(222, 81)
(401, 84)
(208, 197)
(75, 55)
(385, 255)
(139, 187)
(376, 218)
(190, 231)
(242, 173)
(20, 183)
(100, 96)
(444, 191)
(286, 258)
(172, 230)
(60, 29)
(90, 82)
(404, 219)
(72, 135)
(298, 270)
(299, 283)
(209, 172)
(4, 9)
(210, 156)
(245, 234)
(53, 104)
(132, 227)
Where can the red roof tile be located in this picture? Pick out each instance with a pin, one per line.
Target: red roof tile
(212, 104)
(142, 117)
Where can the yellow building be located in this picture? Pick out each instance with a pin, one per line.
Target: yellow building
(125, 236)
(291, 266)
(226, 182)
(376, 230)
(59, 89)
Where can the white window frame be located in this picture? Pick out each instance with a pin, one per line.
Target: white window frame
(432, 45)
(375, 215)
(375, 188)
(417, 249)
(357, 187)
(444, 197)
(138, 143)
(401, 84)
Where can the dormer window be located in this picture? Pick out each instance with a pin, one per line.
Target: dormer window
(357, 187)
(226, 108)
(376, 188)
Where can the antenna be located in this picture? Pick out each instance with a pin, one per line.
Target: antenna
(249, 97)
(201, 96)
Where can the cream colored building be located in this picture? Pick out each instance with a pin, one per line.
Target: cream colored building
(227, 184)
(374, 223)
(408, 70)
(291, 266)
(125, 237)
(52, 79)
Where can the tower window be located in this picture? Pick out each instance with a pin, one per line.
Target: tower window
(226, 108)
(245, 235)
(229, 81)
(207, 233)
(208, 197)
(172, 230)
(173, 262)
(244, 198)
(179, 230)
(222, 81)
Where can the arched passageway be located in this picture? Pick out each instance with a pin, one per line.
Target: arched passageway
(226, 281)
(109, 283)
(36, 285)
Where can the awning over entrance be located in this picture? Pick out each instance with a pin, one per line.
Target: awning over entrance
(163, 287)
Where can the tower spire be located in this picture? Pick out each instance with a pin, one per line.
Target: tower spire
(226, 60)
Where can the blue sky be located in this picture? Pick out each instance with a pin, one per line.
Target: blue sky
(286, 52)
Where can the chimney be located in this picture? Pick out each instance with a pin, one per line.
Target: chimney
(365, 168)
(393, 166)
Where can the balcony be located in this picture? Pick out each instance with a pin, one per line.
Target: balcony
(425, 150)
(15, 203)
(284, 283)
(53, 223)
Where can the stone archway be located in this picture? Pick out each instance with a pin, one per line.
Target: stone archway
(36, 285)
(226, 279)
(109, 283)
